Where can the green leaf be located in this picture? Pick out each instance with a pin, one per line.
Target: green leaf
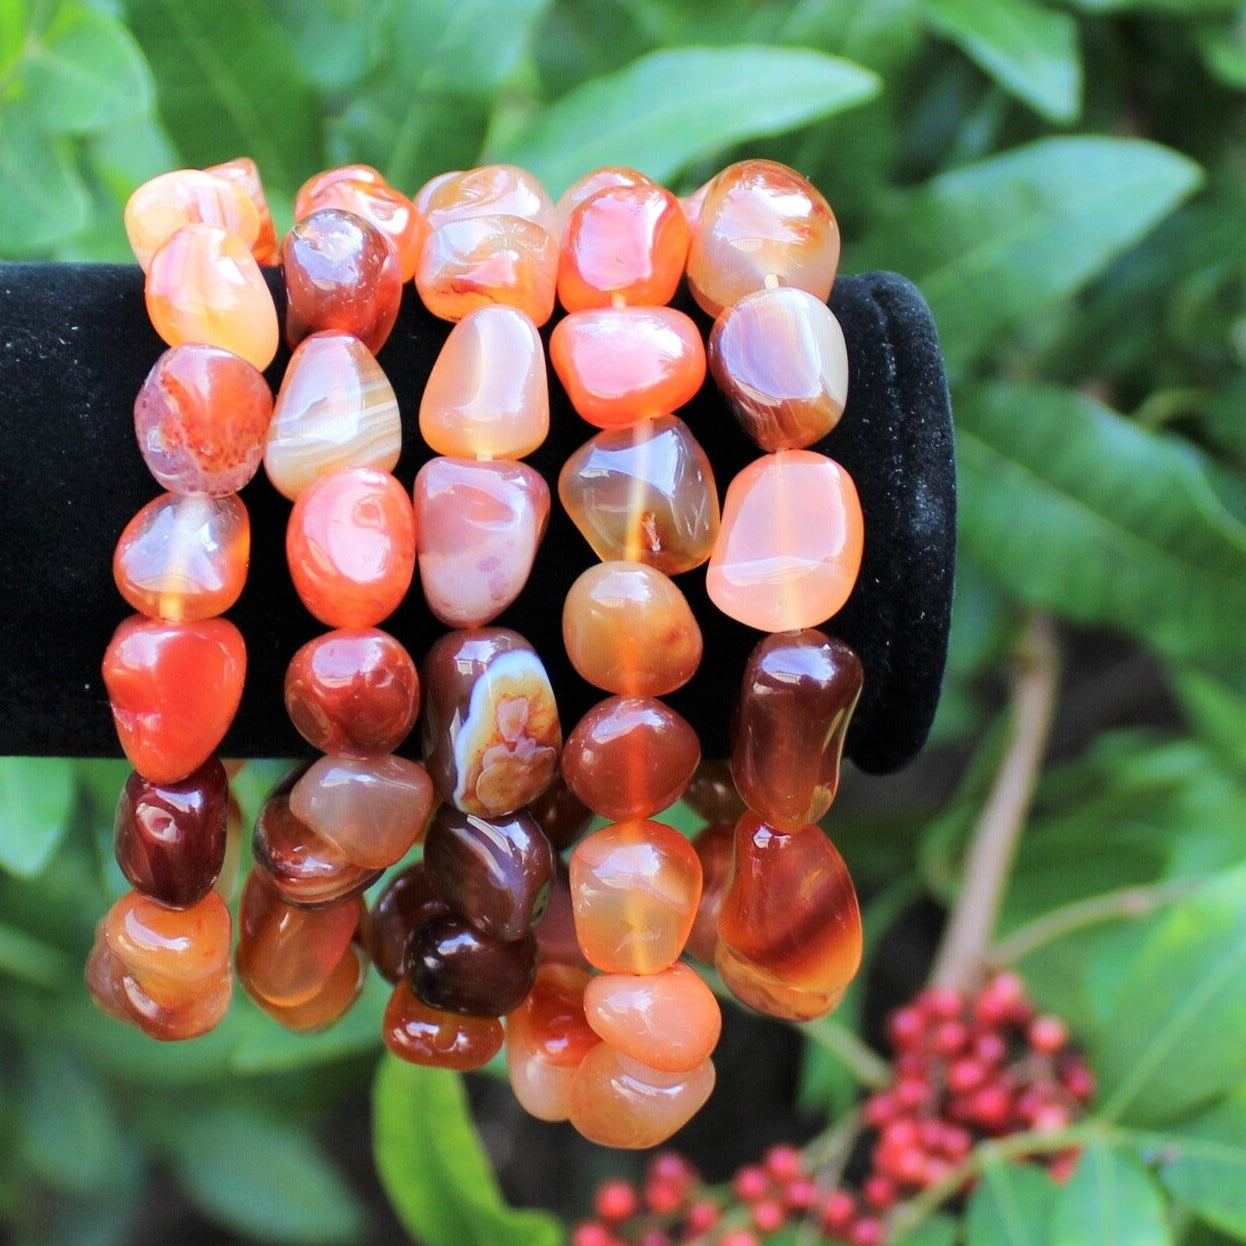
(672, 107)
(433, 1168)
(1110, 1201)
(1224, 51)
(1178, 8)
(31, 960)
(995, 243)
(1075, 509)
(1216, 711)
(44, 199)
(36, 796)
(1011, 1206)
(337, 42)
(1029, 49)
(937, 1231)
(1205, 1166)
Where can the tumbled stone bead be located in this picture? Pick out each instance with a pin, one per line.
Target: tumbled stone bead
(693, 203)
(335, 409)
(329, 1004)
(619, 1102)
(306, 195)
(166, 203)
(454, 967)
(634, 887)
(712, 794)
(350, 543)
(403, 904)
(471, 263)
(555, 933)
(245, 174)
(174, 689)
(796, 700)
(495, 872)
(372, 809)
(560, 813)
(479, 526)
(387, 210)
(629, 629)
(170, 838)
(547, 1036)
(184, 557)
(443, 1040)
(643, 494)
(487, 394)
(789, 547)
(591, 183)
(790, 915)
(668, 1020)
(205, 286)
(761, 219)
(488, 190)
(201, 418)
(714, 845)
(340, 273)
(628, 757)
(624, 364)
(780, 360)
(353, 691)
(491, 732)
(767, 994)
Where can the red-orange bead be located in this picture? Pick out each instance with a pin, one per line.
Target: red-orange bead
(334, 999)
(444, 1040)
(163, 205)
(244, 173)
(384, 208)
(488, 190)
(309, 192)
(714, 846)
(591, 183)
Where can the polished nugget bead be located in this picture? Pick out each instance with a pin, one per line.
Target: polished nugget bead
(623, 364)
(789, 548)
(163, 205)
(629, 629)
(488, 190)
(479, 526)
(634, 887)
(387, 210)
(796, 700)
(350, 543)
(491, 731)
(205, 286)
(170, 838)
(340, 273)
(335, 409)
(644, 494)
(184, 557)
(226, 885)
(712, 794)
(244, 173)
(201, 418)
(453, 966)
(560, 813)
(591, 183)
(353, 691)
(628, 757)
(334, 999)
(780, 360)
(444, 1040)
(487, 394)
(555, 932)
(174, 689)
(714, 845)
(405, 902)
(306, 195)
(761, 219)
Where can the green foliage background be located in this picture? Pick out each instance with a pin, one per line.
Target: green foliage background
(1065, 183)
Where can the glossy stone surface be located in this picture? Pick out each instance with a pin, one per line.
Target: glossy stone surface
(712, 794)
(335, 409)
(714, 845)
(205, 286)
(796, 700)
(341, 988)
(444, 1040)
(789, 548)
(623, 364)
(591, 183)
(453, 966)
(761, 219)
(350, 543)
(173, 689)
(245, 174)
(634, 887)
(488, 190)
(405, 902)
(305, 197)
(629, 629)
(487, 394)
(226, 885)
(353, 691)
(490, 730)
(387, 210)
(201, 418)
(170, 838)
(555, 933)
(629, 757)
(161, 206)
(495, 872)
(560, 813)
(644, 494)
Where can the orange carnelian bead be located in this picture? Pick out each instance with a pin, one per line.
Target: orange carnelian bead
(489, 190)
(712, 793)
(691, 204)
(174, 689)
(163, 205)
(244, 173)
(628, 629)
(334, 999)
(350, 544)
(387, 210)
(790, 544)
(624, 364)
(555, 934)
(445, 1040)
(305, 199)
(713, 845)
(634, 888)
(591, 183)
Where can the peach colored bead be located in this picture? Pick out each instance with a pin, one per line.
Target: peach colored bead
(790, 544)
(628, 629)
(350, 544)
(305, 198)
(184, 557)
(624, 364)
(488, 259)
(619, 1102)
(444, 1040)
(334, 999)
(476, 406)
(489, 190)
(691, 204)
(163, 205)
(765, 993)
(384, 208)
(245, 174)
(335, 409)
(634, 888)
(591, 183)
(205, 286)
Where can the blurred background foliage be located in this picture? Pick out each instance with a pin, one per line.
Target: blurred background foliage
(1064, 181)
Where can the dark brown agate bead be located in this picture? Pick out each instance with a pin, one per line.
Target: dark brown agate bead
(170, 838)
(495, 872)
(443, 1040)
(796, 700)
(405, 902)
(453, 966)
(341, 273)
(561, 814)
(712, 794)
(713, 845)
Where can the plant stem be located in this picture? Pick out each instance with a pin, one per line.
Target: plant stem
(993, 844)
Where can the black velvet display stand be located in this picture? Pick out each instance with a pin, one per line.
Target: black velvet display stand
(75, 345)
